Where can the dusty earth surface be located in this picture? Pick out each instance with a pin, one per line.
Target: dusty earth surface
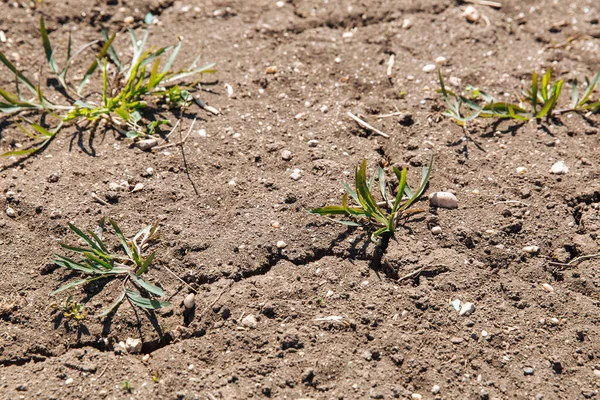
(223, 209)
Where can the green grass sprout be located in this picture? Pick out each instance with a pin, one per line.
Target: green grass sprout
(127, 89)
(582, 104)
(97, 263)
(72, 309)
(393, 206)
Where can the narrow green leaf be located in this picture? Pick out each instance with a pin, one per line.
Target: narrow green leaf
(114, 305)
(147, 285)
(364, 195)
(121, 238)
(68, 263)
(143, 302)
(534, 92)
(545, 83)
(347, 223)
(375, 235)
(111, 50)
(47, 47)
(85, 237)
(172, 57)
(19, 75)
(574, 94)
(401, 185)
(146, 264)
(329, 210)
(94, 65)
(590, 88)
(69, 286)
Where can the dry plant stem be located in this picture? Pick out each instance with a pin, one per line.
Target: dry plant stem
(390, 67)
(98, 199)
(575, 260)
(493, 4)
(367, 126)
(179, 279)
(394, 114)
(180, 142)
(172, 130)
(510, 201)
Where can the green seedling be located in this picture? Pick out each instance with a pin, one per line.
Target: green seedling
(71, 309)
(583, 104)
(98, 263)
(127, 386)
(543, 97)
(127, 89)
(393, 206)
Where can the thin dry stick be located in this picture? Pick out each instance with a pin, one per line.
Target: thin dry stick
(172, 130)
(575, 260)
(510, 201)
(181, 280)
(390, 67)
(178, 143)
(492, 4)
(367, 126)
(394, 114)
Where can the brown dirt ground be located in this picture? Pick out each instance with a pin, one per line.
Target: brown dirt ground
(398, 339)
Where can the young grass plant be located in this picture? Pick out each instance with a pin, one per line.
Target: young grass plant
(542, 99)
(98, 263)
(367, 208)
(126, 89)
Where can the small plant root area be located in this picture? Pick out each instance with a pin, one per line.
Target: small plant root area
(232, 289)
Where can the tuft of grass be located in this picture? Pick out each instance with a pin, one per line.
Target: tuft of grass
(541, 96)
(127, 386)
(368, 208)
(98, 263)
(127, 89)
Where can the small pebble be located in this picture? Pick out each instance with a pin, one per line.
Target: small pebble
(443, 200)
(281, 244)
(435, 389)
(280, 4)
(149, 171)
(275, 224)
(128, 20)
(531, 249)
(11, 212)
(441, 60)
(406, 24)
(147, 144)
(484, 333)
(286, 155)
(467, 309)
(53, 178)
(202, 133)
(436, 230)
(68, 381)
(528, 371)
(295, 175)
(521, 170)
(456, 340)
(146, 357)
(416, 396)
(324, 109)
(271, 69)
(189, 301)
(597, 372)
(313, 143)
(133, 346)
(429, 68)
(137, 187)
(547, 287)
(249, 321)
(2, 37)
(471, 14)
(559, 168)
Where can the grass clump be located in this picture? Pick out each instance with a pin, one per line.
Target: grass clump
(127, 88)
(392, 207)
(542, 99)
(98, 263)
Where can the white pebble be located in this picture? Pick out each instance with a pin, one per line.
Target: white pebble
(231, 183)
(531, 249)
(137, 187)
(2, 37)
(146, 357)
(295, 175)
(147, 144)
(597, 372)
(280, 4)
(471, 14)
(484, 333)
(559, 168)
(286, 155)
(275, 224)
(441, 60)
(133, 346)
(337, 60)
(435, 389)
(249, 321)
(467, 309)
(11, 212)
(416, 396)
(313, 143)
(436, 230)
(324, 109)
(202, 133)
(429, 68)
(406, 24)
(443, 200)
(190, 301)
(128, 20)
(281, 244)
(521, 170)
(149, 171)
(68, 381)
(547, 287)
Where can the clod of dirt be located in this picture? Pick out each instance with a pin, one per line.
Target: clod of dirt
(443, 200)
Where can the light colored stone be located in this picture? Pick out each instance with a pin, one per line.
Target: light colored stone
(11, 212)
(521, 170)
(559, 168)
(138, 187)
(441, 60)
(531, 249)
(467, 309)
(68, 381)
(547, 287)
(286, 155)
(295, 175)
(249, 321)
(443, 200)
(429, 68)
(435, 389)
(406, 24)
(190, 301)
(436, 230)
(313, 143)
(281, 244)
(133, 346)
(471, 14)
(147, 144)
